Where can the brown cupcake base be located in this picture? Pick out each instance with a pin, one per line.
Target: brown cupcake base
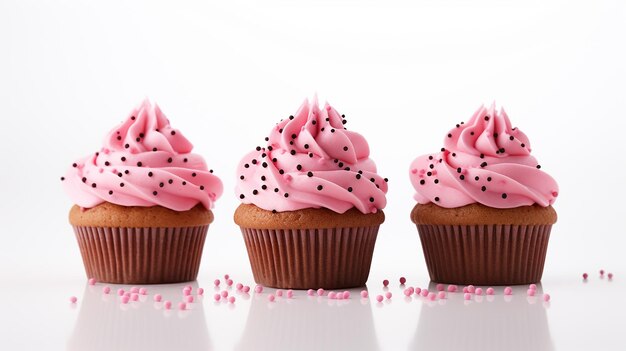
(329, 258)
(141, 255)
(485, 254)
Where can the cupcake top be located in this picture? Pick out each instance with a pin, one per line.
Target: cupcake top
(311, 161)
(144, 162)
(483, 161)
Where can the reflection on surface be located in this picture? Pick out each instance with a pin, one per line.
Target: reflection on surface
(105, 324)
(314, 324)
(498, 322)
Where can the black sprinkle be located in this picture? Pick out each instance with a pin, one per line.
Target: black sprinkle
(126, 146)
(123, 158)
(299, 167)
(119, 137)
(173, 132)
(170, 181)
(484, 164)
(437, 198)
(310, 174)
(107, 163)
(436, 181)
(462, 177)
(319, 187)
(264, 164)
(449, 135)
(523, 145)
(93, 185)
(184, 182)
(538, 166)
(293, 136)
(84, 180)
(258, 148)
(293, 152)
(154, 193)
(422, 182)
(126, 171)
(386, 180)
(246, 165)
(504, 195)
(241, 196)
(430, 157)
(150, 174)
(281, 171)
(488, 179)
(358, 176)
(511, 138)
(154, 149)
(483, 188)
(161, 184)
(458, 170)
(110, 192)
(482, 155)
(74, 165)
(119, 174)
(486, 118)
(275, 190)
(263, 178)
(264, 187)
(193, 174)
(471, 133)
(241, 177)
(429, 173)
(254, 162)
(255, 192)
(371, 199)
(476, 178)
(286, 195)
(139, 164)
(121, 185)
(345, 148)
(306, 146)
(349, 189)
(62, 178)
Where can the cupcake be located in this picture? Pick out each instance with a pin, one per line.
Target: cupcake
(142, 203)
(311, 203)
(484, 205)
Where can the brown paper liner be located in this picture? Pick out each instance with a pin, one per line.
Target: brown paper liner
(141, 255)
(485, 254)
(329, 258)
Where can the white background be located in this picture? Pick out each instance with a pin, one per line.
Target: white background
(225, 72)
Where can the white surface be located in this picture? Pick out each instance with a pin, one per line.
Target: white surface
(225, 72)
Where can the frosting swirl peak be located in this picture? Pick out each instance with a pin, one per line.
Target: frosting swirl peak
(312, 161)
(144, 162)
(484, 161)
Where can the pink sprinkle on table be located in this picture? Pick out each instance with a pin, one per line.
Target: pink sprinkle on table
(610, 276)
(217, 297)
(157, 298)
(320, 292)
(388, 295)
(432, 296)
(364, 294)
(258, 289)
(92, 281)
(289, 294)
(271, 298)
(508, 291)
(229, 282)
(411, 290)
(339, 296)
(532, 286)
(310, 292)
(346, 294)
(379, 298)
(478, 291)
(490, 291)
(239, 286)
(279, 293)
(385, 282)
(601, 272)
(120, 292)
(585, 276)
(417, 290)
(231, 299)
(216, 282)
(182, 306)
(134, 290)
(189, 299)
(188, 286)
(467, 296)
(106, 290)
(143, 291)
(531, 292)
(246, 289)
(424, 292)
(134, 297)
(226, 276)
(452, 288)
(73, 299)
(402, 280)
(224, 293)
(440, 287)
(200, 291)
(167, 305)
(546, 297)
(471, 289)
(465, 289)
(125, 299)
(407, 292)
(186, 292)
(441, 295)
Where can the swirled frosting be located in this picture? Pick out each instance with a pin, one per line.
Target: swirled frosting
(311, 161)
(483, 161)
(144, 162)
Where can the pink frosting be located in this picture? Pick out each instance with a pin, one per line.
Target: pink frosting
(312, 161)
(484, 161)
(144, 162)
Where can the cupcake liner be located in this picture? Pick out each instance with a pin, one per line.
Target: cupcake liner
(329, 258)
(141, 255)
(485, 254)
